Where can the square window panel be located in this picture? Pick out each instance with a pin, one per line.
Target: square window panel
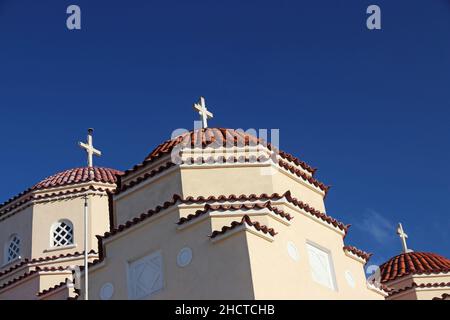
(321, 266)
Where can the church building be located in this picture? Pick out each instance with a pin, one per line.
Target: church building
(211, 213)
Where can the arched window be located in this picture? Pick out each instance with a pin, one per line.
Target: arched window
(62, 234)
(13, 248)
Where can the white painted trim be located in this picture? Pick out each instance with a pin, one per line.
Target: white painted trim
(52, 198)
(354, 256)
(53, 227)
(52, 249)
(376, 289)
(309, 215)
(417, 276)
(268, 163)
(53, 291)
(33, 276)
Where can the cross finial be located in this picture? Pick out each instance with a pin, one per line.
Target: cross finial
(403, 236)
(90, 150)
(203, 112)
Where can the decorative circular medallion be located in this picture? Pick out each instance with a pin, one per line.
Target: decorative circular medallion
(293, 251)
(107, 291)
(184, 257)
(349, 278)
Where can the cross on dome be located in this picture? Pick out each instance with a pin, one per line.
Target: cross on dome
(203, 112)
(403, 236)
(90, 150)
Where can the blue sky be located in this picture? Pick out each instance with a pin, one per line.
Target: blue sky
(370, 109)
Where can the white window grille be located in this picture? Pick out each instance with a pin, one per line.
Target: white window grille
(62, 234)
(13, 249)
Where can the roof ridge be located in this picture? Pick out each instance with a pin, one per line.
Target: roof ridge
(43, 259)
(201, 199)
(421, 285)
(360, 253)
(51, 289)
(30, 273)
(244, 221)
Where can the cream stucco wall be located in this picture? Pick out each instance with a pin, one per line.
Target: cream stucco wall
(217, 271)
(47, 214)
(28, 288)
(21, 224)
(272, 265)
(241, 266)
(33, 222)
(146, 195)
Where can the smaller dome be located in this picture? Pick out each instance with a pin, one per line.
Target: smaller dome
(78, 175)
(413, 263)
(69, 177)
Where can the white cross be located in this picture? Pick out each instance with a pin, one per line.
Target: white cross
(203, 112)
(90, 150)
(403, 237)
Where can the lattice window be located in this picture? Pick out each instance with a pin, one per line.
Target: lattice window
(62, 234)
(13, 250)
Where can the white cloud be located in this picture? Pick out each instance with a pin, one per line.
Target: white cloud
(377, 226)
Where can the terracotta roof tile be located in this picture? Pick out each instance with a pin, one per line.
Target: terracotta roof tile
(235, 207)
(42, 259)
(413, 263)
(304, 176)
(71, 177)
(201, 199)
(444, 296)
(247, 221)
(51, 289)
(422, 286)
(211, 137)
(360, 253)
(65, 193)
(321, 215)
(77, 176)
(30, 273)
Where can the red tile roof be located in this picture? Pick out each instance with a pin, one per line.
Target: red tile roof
(304, 176)
(43, 259)
(275, 196)
(54, 288)
(235, 207)
(77, 176)
(413, 263)
(422, 286)
(362, 254)
(211, 137)
(46, 196)
(245, 221)
(71, 177)
(444, 296)
(30, 273)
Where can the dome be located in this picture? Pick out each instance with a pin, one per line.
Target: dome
(78, 175)
(72, 176)
(215, 136)
(413, 263)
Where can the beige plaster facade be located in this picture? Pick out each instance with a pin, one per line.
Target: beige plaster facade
(32, 217)
(208, 229)
(243, 263)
